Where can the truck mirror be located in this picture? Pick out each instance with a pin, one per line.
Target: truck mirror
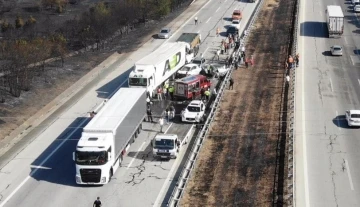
(73, 156)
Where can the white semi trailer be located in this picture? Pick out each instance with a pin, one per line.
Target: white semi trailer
(154, 69)
(335, 20)
(106, 138)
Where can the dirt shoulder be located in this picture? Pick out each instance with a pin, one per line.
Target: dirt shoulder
(17, 111)
(237, 163)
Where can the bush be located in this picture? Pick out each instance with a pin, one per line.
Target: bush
(19, 22)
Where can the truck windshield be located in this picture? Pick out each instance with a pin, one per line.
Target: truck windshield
(164, 144)
(90, 158)
(357, 116)
(137, 81)
(193, 109)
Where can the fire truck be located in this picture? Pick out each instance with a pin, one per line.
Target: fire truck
(187, 86)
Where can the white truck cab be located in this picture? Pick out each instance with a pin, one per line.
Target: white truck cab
(194, 109)
(166, 146)
(353, 117)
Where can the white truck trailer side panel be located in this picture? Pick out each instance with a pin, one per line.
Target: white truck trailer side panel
(335, 20)
(166, 60)
(121, 116)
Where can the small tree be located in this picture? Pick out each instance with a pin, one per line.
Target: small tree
(31, 21)
(5, 26)
(19, 22)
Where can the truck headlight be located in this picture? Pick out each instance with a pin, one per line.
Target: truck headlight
(103, 180)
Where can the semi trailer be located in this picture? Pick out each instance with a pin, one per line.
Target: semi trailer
(157, 67)
(334, 21)
(106, 138)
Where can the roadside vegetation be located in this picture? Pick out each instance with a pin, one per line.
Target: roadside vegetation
(27, 44)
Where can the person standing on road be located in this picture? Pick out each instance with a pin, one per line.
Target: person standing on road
(161, 123)
(231, 84)
(97, 202)
(202, 92)
(149, 114)
(287, 79)
(148, 102)
(291, 61)
(164, 91)
(297, 59)
(207, 94)
(172, 111)
(218, 54)
(196, 20)
(217, 32)
(171, 91)
(159, 94)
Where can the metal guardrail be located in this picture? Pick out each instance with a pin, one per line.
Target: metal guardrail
(291, 115)
(178, 192)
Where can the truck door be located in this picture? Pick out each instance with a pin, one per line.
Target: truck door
(180, 89)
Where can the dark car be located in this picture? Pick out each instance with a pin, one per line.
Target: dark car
(232, 30)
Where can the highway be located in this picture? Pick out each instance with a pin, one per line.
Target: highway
(327, 150)
(41, 172)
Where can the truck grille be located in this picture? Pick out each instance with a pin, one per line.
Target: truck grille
(90, 175)
(163, 154)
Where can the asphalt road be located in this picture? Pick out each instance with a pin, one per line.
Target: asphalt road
(327, 150)
(42, 173)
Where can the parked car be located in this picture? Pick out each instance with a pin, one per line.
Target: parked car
(232, 30)
(198, 61)
(357, 7)
(236, 23)
(165, 33)
(336, 50)
(189, 69)
(353, 2)
(196, 107)
(236, 14)
(214, 69)
(353, 117)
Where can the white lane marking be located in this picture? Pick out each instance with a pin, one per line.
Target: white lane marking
(306, 179)
(156, 203)
(132, 160)
(199, 31)
(50, 155)
(359, 81)
(42, 163)
(183, 25)
(168, 128)
(331, 85)
(217, 9)
(337, 120)
(345, 40)
(205, 51)
(349, 174)
(208, 20)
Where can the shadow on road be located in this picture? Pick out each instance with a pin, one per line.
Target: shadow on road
(60, 168)
(314, 29)
(327, 53)
(106, 90)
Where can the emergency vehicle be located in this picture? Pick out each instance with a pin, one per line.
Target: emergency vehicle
(185, 87)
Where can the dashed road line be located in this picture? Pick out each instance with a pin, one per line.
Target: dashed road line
(349, 174)
(331, 86)
(208, 20)
(217, 9)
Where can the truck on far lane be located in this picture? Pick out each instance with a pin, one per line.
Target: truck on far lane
(334, 21)
(106, 138)
(157, 67)
(193, 39)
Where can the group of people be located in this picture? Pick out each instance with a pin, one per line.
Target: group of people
(165, 91)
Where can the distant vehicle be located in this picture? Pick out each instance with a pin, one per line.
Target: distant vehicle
(353, 117)
(236, 23)
(194, 39)
(165, 33)
(353, 2)
(335, 21)
(167, 146)
(236, 14)
(214, 70)
(232, 30)
(357, 7)
(195, 107)
(185, 87)
(157, 67)
(189, 69)
(336, 50)
(106, 138)
(198, 61)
